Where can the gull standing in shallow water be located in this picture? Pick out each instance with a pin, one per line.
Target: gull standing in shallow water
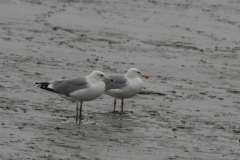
(79, 89)
(125, 85)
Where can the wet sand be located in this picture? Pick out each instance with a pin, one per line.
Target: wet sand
(190, 50)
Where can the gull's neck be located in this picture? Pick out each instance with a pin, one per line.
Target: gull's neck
(92, 79)
(130, 76)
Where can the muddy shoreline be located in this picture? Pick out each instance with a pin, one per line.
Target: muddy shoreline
(188, 109)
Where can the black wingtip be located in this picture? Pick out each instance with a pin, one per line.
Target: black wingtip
(44, 85)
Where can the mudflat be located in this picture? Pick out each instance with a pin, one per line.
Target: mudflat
(188, 109)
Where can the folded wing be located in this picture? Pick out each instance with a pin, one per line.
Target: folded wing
(120, 82)
(64, 86)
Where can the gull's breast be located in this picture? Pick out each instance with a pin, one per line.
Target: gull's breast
(87, 94)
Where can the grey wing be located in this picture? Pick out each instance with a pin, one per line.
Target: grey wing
(120, 82)
(67, 86)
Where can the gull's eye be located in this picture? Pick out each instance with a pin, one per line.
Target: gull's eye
(138, 72)
(101, 75)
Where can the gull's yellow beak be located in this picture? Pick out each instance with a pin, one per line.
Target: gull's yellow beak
(145, 76)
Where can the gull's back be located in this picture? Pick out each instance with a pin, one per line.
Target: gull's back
(120, 82)
(64, 87)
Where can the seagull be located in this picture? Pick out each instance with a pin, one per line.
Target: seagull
(79, 89)
(125, 85)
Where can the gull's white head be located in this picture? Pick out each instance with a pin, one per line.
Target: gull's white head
(100, 76)
(136, 73)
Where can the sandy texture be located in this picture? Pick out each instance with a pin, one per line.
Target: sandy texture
(190, 49)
